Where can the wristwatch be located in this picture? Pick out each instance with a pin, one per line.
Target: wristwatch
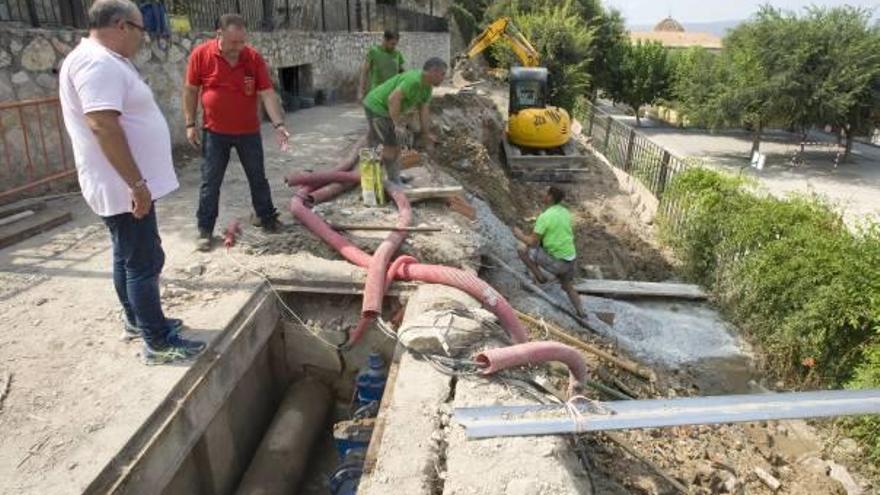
(139, 184)
(278, 125)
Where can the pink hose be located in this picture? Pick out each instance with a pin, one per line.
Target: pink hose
(502, 358)
(435, 274)
(395, 268)
(232, 230)
(318, 179)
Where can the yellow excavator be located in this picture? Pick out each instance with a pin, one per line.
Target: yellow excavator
(538, 141)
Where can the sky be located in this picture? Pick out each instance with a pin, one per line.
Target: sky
(652, 11)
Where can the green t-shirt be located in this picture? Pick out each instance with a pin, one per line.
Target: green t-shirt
(557, 238)
(415, 92)
(383, 65)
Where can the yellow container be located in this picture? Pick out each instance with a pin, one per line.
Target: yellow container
(379, 184)
(367, 165)
(179, 24)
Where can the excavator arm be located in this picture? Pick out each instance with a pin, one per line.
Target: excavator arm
(505, 29)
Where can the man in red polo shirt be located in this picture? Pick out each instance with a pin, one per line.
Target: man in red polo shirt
(231, 77)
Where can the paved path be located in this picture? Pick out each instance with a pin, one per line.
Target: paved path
(853, 186)
(77, 392)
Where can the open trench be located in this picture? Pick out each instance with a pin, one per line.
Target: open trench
(279, 403)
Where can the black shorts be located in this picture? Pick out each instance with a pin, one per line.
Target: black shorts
(381, 129)
(564, 270)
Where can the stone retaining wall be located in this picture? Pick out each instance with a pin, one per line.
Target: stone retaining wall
(30, 59)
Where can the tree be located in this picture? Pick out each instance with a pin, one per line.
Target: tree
(847, 79)
(756, 86)
(640, 73)
(565, 46)
(693, 82)
(607, 26)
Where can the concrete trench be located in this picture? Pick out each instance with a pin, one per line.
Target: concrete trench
(202, 437)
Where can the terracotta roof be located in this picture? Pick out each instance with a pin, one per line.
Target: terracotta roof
(669, 24)
(672, 39)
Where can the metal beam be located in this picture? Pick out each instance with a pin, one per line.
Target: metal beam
(501, 421)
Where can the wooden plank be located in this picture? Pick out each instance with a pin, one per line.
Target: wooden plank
(626, 288)
(337, 226)
(423, 193)
(32, 225)
(9, 210)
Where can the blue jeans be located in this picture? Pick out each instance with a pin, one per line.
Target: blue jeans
(215, 151)
(137, 262)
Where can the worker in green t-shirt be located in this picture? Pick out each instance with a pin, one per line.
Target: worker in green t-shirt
(551, 246)
(383, 62)
(386, 104)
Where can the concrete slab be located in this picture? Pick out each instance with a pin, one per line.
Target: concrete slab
(508, 466)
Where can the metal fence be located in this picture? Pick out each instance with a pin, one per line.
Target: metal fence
(45, 13)
(35, 150)
(634, 153)
(261, 15)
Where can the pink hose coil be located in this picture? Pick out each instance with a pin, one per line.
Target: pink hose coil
(502, 358)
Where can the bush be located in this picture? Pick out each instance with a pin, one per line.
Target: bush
(787, 271)
(791, 275)
(867, 428)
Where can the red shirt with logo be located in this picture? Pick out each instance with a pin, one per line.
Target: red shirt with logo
(229, 93)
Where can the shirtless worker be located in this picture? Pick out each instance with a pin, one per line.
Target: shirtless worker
(550, 246)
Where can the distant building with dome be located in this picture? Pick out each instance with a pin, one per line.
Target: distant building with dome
(671, 34)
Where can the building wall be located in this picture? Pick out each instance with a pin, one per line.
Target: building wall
(30, 58)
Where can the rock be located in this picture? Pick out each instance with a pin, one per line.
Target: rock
(61, 48)
(47, 80)
(40, 301)
(7, 92)
(5, 59)
(841, 474)
(176, 54)
(15, 46)
(21, 77)
(441, 331)
(767, 478)
(195, 270)
(38, 55)
(142, 57)
(522, 486)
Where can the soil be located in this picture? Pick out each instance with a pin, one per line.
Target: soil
(612, 241)
(607, 233)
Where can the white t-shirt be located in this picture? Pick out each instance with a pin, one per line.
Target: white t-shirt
(95, 78)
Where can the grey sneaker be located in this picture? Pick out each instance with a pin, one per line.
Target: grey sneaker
(130, 331)
(175, 350)
(205, 241)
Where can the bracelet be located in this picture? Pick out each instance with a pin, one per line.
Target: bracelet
(279, 125)
(188, 126)
(139, 184)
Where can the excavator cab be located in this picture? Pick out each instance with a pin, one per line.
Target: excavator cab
(528, 88)
(537, 144)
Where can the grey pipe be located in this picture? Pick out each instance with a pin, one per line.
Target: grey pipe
(500, 421)
(284, 452)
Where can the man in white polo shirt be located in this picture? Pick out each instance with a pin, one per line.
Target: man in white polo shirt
(122, 149)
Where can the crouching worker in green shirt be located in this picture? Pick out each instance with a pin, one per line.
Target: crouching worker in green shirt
(551, 246)
(386, 105)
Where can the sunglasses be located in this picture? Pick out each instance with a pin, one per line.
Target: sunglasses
(137, 26)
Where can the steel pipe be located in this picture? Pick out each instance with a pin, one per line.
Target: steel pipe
(502, 421)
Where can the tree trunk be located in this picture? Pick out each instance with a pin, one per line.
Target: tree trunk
(638, 120)
(756, 139)
(850, 135)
